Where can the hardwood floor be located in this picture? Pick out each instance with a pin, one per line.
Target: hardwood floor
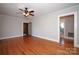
(67, 43)
(30, 45)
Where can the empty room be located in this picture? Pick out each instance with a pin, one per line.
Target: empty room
(39, 29)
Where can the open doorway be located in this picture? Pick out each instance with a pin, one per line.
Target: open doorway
(26, 29)
(67, 30)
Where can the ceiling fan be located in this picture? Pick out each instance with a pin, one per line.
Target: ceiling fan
(26, 12)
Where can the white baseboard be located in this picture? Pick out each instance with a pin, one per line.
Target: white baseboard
(76, 45)
(10, 37)
(46, 38)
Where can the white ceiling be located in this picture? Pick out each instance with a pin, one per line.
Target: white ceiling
(11, 9)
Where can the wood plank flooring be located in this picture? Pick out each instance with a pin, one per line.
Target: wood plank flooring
(67, 43)
(30, 45)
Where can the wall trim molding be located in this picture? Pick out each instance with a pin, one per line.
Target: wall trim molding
(46, 38)
(10, 37)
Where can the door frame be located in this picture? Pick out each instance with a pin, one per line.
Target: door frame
(75, 26)
(22, 27)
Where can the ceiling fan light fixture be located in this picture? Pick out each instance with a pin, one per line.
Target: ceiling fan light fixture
(27, 14)
(24, 13)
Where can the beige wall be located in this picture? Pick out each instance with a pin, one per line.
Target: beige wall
(47, 26)
(11, 26)
(69, 25)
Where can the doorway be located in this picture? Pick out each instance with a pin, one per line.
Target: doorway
(67, 30)
(25, 29)
(75, 26)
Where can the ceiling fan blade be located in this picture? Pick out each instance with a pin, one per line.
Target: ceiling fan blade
(31, 14)
(25, 16)
(31, 11)
(21, 9)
